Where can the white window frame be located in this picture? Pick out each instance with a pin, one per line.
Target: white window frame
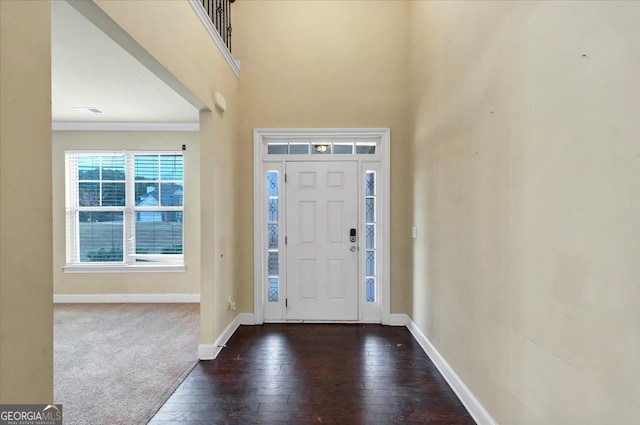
(160, 262)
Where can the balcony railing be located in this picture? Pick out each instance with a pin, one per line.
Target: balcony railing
(219, 12)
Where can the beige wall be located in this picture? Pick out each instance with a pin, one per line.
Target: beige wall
(514, 149)
(26, 318)
(171, 32)
(527, 176)
(326, 64)
(129, 283)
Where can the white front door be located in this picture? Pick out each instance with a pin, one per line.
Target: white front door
(322, 261)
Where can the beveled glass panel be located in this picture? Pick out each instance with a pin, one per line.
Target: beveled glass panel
(273, 209)
(321, 149)
(370, 208)
(273, 236)
(370, 183)
(343, 148)
(370, 263)
(371, 236)
(273, 289)
(299, 149)
(272, 183)
(277, 149)
(274, 267)
(367, 149)
(370, 290)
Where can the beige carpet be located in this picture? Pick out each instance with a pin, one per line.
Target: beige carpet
(118, 363)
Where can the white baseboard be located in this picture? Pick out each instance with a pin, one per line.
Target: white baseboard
(126, 298)
(398, 320)
(470, 402)
(246, 318)
(211, 351)
(206, 351)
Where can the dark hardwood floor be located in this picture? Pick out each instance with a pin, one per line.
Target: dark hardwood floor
(316, 374)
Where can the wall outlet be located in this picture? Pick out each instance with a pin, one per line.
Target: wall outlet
(231, 305)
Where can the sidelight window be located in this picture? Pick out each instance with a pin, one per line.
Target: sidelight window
(370, 236)
(273, 213)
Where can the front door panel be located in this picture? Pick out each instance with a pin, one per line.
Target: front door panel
(322, 262)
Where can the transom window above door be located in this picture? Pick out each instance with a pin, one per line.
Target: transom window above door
(321, 148)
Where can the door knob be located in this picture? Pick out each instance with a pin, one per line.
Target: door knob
(353, 248)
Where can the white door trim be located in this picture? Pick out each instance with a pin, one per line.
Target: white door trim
(381, 157)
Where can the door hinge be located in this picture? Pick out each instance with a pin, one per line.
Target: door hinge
(285, 240)
(285, 177)
(286, 302)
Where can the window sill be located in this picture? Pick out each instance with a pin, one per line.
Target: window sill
(118, 268)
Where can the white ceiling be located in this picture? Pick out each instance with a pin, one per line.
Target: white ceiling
(88, 69)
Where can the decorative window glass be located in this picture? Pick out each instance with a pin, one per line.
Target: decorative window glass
(277, 148)
(343, 148)
(322, 148)
(370, 236)
(124, 208)
(299, 148)
(273, 266)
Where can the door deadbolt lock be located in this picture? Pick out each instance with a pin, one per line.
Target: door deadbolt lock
(352, 236)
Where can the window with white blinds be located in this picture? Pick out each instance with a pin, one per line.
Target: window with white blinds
(124, 208)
